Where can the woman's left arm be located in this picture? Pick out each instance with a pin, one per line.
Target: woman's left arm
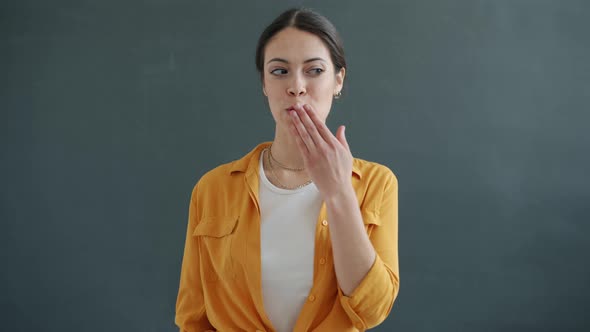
(366, 267)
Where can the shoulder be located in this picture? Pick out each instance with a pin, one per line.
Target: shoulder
(371, 172)
(218, 173)
(213, 187)
(216, 176)
(227, 175)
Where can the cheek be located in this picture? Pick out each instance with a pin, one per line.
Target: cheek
(272, 88)
(320, 89)
(322, 99)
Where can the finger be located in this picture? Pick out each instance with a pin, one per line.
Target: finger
(300, 143)
(301, 133)
(340, 135)
(321, 127)
(310, 126)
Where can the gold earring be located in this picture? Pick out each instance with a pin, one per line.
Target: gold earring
(337, 95)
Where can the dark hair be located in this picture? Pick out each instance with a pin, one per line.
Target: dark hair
(306, 20)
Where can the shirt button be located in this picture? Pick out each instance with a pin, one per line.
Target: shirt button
(325, 222)
(322, 261)
(311, 298)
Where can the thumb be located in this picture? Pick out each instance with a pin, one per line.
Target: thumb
(341, 137)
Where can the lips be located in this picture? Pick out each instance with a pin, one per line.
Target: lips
(292, 107)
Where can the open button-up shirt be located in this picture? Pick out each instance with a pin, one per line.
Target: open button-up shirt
(220, 280)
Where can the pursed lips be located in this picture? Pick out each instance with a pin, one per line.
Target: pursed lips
(292, 108)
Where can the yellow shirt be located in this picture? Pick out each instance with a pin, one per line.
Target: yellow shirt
(220, 280)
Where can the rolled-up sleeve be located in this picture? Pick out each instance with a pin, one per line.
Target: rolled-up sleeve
(190, 304)
(371, 302)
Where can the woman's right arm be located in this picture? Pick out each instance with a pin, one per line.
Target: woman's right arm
(190, 304)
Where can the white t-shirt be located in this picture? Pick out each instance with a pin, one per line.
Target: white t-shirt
(288, 224)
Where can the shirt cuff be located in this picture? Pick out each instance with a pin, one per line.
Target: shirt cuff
(372, 300)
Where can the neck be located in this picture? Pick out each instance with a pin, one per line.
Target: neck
(285, 150)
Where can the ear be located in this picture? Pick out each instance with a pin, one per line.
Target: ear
(340, 79)
(264, 90)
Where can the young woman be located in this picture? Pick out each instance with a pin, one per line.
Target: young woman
(297, 235)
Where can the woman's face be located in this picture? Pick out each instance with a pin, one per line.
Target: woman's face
(298, 70)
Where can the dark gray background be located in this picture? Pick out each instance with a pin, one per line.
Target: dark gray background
(112, 110)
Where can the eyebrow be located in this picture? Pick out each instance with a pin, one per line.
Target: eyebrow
(285, 61)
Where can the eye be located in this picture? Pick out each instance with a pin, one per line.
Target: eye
(279, 71)
(316, 71)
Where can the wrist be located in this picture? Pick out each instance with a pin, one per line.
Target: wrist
(342, 196)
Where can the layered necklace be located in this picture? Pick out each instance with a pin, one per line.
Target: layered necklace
(272, 160)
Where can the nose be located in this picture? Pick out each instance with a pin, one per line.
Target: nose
(297, 88)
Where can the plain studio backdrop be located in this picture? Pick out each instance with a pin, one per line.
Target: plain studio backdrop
(112, 110)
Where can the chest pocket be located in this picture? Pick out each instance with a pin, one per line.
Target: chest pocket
(215, 236)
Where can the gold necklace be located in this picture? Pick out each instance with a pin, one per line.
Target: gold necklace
(281, 165)
(280, 185)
